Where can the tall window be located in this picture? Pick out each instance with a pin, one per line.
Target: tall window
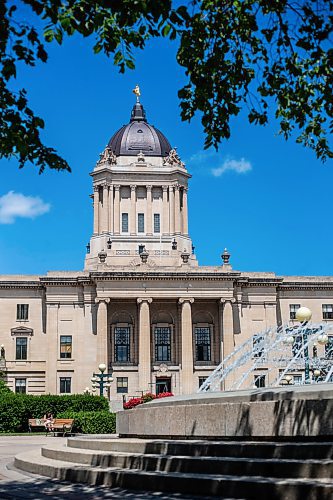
(141, 223)
(157, 224)
(329, 348)
(122, 384)
(258, 346)
(202, 343)
(292, 310)
(22, 312)
(20, 385)
(124, 223)
(65, 346)
(21, 348)
(122, 344)
(260, 381)
(65, 385)
(327, 311)
(162, 343)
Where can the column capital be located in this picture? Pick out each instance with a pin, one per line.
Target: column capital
(117, 187)
(140, 300)
(183, 300)
(105, 185)
(185, 188)
(133, 187)
(165, 188)
(149, 187)
(96, 187)
(102, 299)
(176, 186)
(224, 300)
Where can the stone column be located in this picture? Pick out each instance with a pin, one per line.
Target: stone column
(132, 221)
(105, 209)
(172, 210)
(102, 331)
(149, 229)
(111, 208)
(186, 375)
(117, 209)
(144, 344)
(165, 221)
(177, 210)
(228, 335)
(185, 212)
(96, 202)
(53, 348)
(270, 314)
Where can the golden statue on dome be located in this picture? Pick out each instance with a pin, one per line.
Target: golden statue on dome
(137, 92)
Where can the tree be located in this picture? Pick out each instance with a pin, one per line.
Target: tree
(252, 54)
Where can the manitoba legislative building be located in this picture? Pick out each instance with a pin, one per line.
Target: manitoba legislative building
(143, 305)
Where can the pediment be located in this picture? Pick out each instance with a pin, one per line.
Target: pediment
(21, 331)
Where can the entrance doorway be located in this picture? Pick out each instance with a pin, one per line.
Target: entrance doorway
(163, 385)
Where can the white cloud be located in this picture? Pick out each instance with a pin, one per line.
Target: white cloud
(202, 156)
(239, 166)
(13, 205)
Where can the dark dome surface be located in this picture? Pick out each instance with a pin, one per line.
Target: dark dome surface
(138, 136)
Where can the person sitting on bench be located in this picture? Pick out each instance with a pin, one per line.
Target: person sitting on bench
(48, 421)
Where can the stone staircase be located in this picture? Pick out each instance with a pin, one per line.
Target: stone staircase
(224, 469)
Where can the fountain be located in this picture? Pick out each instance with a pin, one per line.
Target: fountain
(280, 355)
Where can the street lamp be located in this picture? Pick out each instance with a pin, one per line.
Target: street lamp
(101, 379)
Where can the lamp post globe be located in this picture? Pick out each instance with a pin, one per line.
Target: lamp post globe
(102, 367)
(303, 314)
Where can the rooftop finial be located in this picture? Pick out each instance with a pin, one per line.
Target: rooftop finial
(137, 92)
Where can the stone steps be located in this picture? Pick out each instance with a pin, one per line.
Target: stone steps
(198, 465)
(130, 464)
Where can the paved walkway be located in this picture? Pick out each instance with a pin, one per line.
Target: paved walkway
(15, 484)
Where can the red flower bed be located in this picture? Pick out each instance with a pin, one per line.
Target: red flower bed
(132, 403)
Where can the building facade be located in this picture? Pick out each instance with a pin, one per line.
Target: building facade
(142, 305)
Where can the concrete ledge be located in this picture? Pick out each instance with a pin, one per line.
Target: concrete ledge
(302, 412)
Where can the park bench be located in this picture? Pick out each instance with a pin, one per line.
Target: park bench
(36, 423)
(59, 426)
(62, 425)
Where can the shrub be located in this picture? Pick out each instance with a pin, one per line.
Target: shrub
(92, 422)
(145, 399)
(16, 409)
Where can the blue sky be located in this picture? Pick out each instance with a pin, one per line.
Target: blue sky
(267, 200)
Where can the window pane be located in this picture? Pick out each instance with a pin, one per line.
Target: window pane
(122, 344)
(65, 346)
(259, 380)
(292, 310)
(22, 311)
(157, 228)
(124, 223)
(122, 384)
(141, 223)
(202, 343)
(65, 385)
(20, 385)
(327, 311)
(21, 347)
(162, 343)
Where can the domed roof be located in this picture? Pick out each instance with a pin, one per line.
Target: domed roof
(138, 136)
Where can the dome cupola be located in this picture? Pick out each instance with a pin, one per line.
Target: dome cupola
(139, 136)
